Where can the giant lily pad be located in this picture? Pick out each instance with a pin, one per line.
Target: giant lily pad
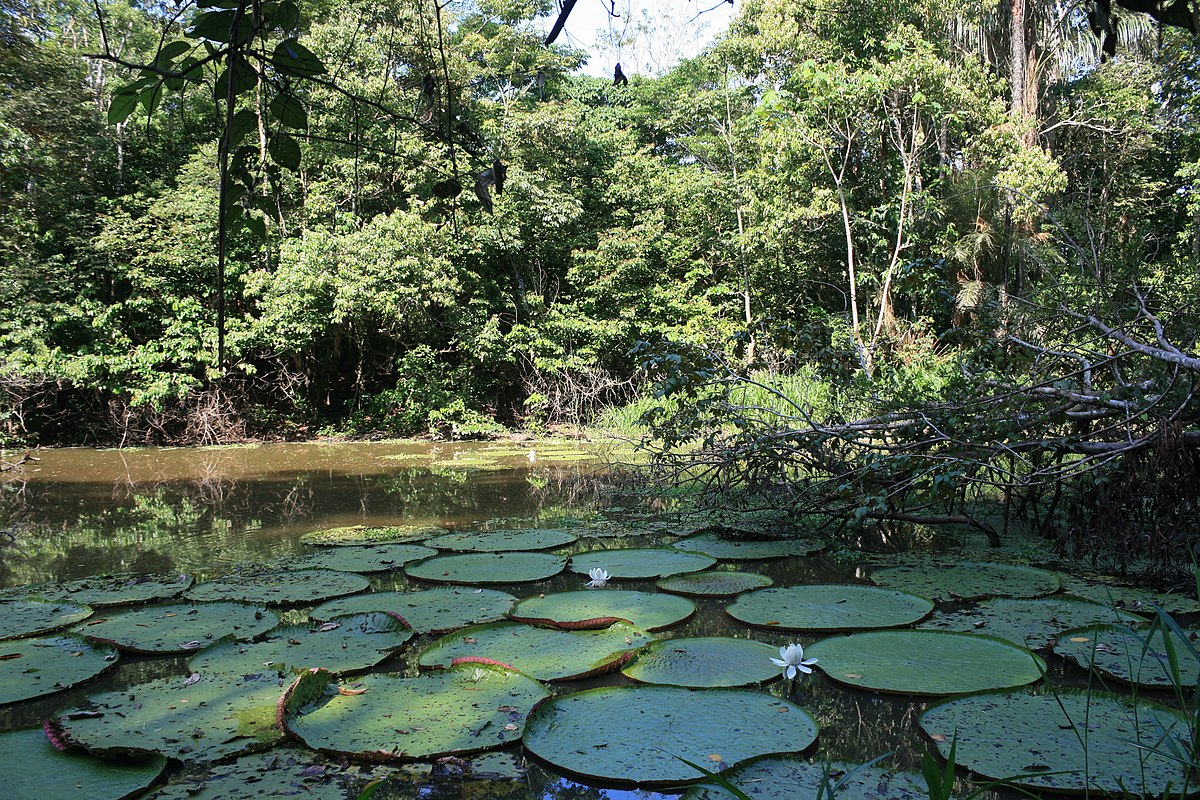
(714, 583)
(639, 734)
(474, 568)
(703, 662)
(281, 773)
(120, 590)
(597, 609)
(543, 653)
(468, 708)
(1130, 598)
(193, 719)
(500, 541)
(31, 617)
(644, 562)
(790, 779)
(1032, 623)
(829, 608)
(34, 768)
(925, 662)
(371, 534)
(283, 588)
(44, 665)
(1094, 741)
(969, 580)
(178, 628)
(1130, 656)
(345, 644)
(725, 549)
(437, 610)
(365, 558)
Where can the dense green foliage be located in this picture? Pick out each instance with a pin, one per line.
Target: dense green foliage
(864, 208)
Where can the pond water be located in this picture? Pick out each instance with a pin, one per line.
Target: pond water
(77, 512)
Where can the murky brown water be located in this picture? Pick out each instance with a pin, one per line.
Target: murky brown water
(77, 512)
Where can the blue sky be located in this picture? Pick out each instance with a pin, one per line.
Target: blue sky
(662, 31)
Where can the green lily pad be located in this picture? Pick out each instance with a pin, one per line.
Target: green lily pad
(790, 779)
(597, 609)
(467, 708)
(277, 774)
(177, 627)
(714, 583)
(192, 719)
(969, 580)
(44, 665)
(643, 562)
(925, 662)
(500, 541)
(1016, 736)
(638, 734)
(473, 568)
(371, 534)
(719, 547)
(1032, 623)
(437, 610)
(34, 768)
(99, 591)
(706, 662)
(283, 588)
(829, 607)
(345, 644)
(542, 653)
(363, 558)
(1130, 598)
(30, 617)
(1130, 656)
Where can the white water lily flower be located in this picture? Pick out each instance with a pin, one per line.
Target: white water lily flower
(598, 578)
(791, 659)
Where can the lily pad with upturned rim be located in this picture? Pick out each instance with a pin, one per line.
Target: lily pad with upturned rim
(178, 628)
(468, 708)
(345, 644)
(829, 607)
(34, 768)
(475, 568)
(44, 665)
(1130, 656)
(201, 720)
(703, 662)
(280, 588)
(573, 610)
(790, 779)
(546, 654)
(363, 558)
(729, 549)
(1017, 736)
(635, 563)
(1032, 623)
(638, 734)
(371, 534)
(714, 583)
(437, 610)
(20, 618)
(969, 580)
(925, 662)
(503, 541)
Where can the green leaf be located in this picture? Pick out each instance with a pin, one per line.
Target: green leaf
(289, 111)
(217, 26)
(285, 151)
(243, 122)
(293, 58)
(151, 97)
(172, 51)
(284, 15)
(121, 106)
